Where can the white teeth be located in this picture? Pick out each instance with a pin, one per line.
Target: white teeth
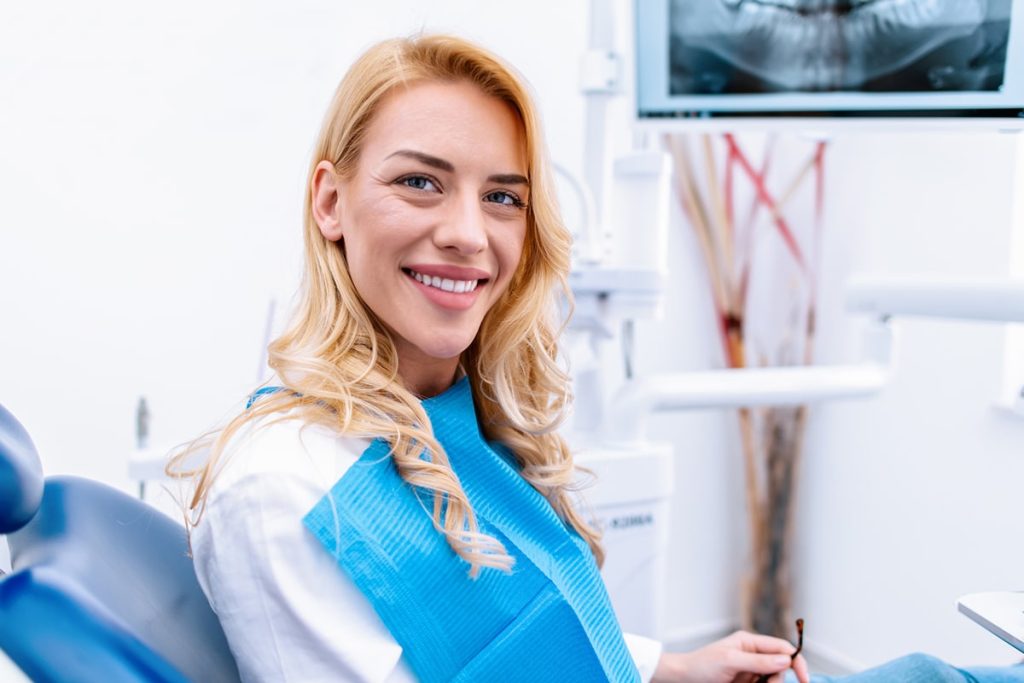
(457, 286)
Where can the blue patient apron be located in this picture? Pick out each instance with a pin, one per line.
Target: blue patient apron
(548, 620)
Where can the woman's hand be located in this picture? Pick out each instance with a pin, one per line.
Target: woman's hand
(738, 658)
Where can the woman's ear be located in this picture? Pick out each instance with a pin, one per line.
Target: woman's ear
(326, 191)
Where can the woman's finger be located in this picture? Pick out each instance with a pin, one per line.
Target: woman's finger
(767, 644)
(758, 663)
(800, 669)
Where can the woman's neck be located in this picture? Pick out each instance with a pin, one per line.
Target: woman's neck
(425, 376)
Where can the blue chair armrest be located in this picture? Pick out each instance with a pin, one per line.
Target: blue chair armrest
(42, 611)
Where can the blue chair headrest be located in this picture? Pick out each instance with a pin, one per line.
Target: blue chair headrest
(21, 475)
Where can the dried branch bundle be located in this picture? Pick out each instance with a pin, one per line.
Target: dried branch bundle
(731, 241)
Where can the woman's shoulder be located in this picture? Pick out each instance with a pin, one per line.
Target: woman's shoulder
(286, 446)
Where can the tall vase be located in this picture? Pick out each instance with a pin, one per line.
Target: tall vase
(768, 585)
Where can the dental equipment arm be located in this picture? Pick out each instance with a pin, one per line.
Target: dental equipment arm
(968, 299)
(749, 387)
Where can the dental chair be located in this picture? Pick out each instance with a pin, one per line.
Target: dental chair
(102, 587)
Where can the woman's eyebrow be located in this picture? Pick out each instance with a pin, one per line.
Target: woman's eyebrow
(508, 179)
(432, 161)
(447, 166)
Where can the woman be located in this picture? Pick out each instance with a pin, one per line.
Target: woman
(434, 254)
(400, 506)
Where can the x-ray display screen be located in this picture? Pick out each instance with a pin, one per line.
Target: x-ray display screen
(706, 58)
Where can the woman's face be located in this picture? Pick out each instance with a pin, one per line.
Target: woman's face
(434, 217)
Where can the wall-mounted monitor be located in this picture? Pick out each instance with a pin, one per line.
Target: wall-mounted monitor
(841, 59)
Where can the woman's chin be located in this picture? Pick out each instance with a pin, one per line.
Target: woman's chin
(451, 352)
(445, 349)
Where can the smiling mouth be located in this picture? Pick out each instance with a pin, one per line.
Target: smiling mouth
(445, 284)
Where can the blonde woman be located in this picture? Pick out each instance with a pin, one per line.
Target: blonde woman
(398, 506)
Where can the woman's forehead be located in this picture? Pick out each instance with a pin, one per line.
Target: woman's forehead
(448, 119)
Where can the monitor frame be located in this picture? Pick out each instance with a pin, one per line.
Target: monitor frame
(967, 111)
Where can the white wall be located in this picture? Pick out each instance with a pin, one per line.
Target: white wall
(909, 500)
(153, 159)
(913, 499)
(152, 167)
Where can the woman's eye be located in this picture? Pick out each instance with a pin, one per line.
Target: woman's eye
(504, 198)
(418, 182)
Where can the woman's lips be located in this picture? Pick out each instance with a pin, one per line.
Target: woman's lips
(448, 292)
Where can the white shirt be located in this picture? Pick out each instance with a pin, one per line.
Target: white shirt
(288, 611)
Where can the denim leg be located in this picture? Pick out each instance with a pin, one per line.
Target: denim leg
(996, 674)
(920, 668)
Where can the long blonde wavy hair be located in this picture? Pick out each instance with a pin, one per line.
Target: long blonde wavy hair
(339, 364)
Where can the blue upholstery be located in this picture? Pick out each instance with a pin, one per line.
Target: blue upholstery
(21, 475)
(103, 589)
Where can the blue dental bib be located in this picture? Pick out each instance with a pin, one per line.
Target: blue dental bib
(548, 620)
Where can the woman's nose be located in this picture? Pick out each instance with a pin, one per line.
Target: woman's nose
(463, 227)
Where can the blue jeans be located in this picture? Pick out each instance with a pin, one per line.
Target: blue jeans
(918, 668)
